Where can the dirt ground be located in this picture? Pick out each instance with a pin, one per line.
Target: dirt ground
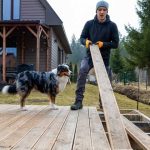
(142, 94)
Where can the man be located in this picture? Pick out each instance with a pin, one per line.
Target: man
(103, 32)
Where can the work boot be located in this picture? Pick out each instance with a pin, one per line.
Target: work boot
(77, 105)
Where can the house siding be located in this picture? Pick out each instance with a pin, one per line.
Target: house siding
(32, 10)
(63, 55)
(29, 50)
(49, 49)
(55, 45)
(43, 58)
(54, 51)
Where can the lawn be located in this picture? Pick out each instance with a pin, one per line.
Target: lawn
(67, 97)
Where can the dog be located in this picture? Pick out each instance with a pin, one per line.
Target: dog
(50, 83)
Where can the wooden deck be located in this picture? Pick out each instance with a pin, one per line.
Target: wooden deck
(45, 129)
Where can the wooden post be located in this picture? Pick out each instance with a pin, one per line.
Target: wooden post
(4, 36)
(22, 48)
(4, 53)
(48, 52)
(38, 49)
(138, 97)
(116, 131)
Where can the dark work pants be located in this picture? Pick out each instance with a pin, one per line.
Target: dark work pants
(85, 67)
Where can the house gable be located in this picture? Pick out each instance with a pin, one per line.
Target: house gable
(51, 17)
(36, 10)
(32, 10)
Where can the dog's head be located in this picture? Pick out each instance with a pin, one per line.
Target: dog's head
(63, 70)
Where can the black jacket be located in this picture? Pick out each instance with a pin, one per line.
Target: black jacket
(106, 32)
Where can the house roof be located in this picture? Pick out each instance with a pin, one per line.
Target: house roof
(52, 19)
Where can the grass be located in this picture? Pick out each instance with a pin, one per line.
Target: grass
(67, 97)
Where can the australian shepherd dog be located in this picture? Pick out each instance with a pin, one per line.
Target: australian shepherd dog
(50, 83)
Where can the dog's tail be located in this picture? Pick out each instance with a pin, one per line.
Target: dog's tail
(9, 89)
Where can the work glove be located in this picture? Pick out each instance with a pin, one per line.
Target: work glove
(88, 43)
(99, 44)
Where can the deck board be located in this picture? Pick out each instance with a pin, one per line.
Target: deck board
(97, 131)
(21, 131)
(64, 140)
(48, 139)
(28, 141)
(42, 129)
(83, 131)
(116, 131)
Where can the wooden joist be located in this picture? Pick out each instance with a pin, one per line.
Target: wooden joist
(116, 131)
(137, 134)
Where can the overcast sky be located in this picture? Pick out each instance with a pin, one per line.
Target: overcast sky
(74, 14)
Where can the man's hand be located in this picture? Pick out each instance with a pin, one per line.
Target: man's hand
(88, 43)
(100, 44)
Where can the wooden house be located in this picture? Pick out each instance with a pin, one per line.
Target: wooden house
(33, 32)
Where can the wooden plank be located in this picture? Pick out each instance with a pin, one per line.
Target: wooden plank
(65, 138)
(29, 140)
(137, 134)
(116, 130)
(6, 107)
(48, 139)
(43, 30)
(144, 117)
(82, 136)
(32, 31)
(18, 134)
(7, 113)
(98, 136)
(7, 130)
(13, 116)
(10, 31)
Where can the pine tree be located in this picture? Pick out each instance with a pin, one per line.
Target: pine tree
(78, 51)
(137, 42)
(116, 61)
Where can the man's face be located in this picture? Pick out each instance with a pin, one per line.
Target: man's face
(101, 14)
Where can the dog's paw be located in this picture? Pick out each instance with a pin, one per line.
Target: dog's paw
(23, 109)
(53, 107)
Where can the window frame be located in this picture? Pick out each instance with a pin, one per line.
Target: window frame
(12, 17)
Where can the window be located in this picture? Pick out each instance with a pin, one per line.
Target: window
(6, 9)
(16, 9)
(11, 9)
(11, 56)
